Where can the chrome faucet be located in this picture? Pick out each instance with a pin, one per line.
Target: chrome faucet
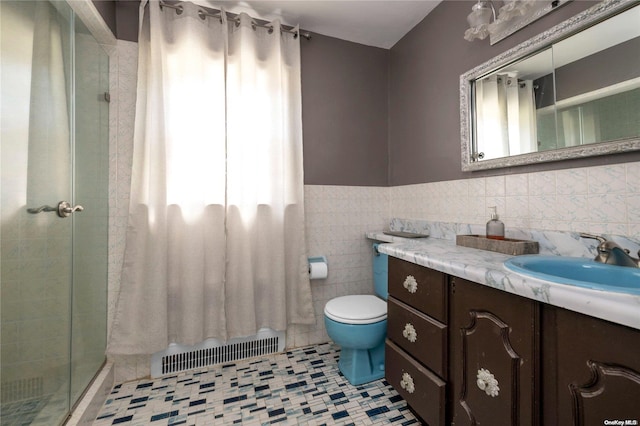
(612, 254)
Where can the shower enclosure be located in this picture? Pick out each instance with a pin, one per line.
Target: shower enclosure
(54, 149)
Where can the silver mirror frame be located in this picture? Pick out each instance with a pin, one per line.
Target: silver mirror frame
(563, 30)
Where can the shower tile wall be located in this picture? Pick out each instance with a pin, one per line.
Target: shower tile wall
(123, 75)
(602, 199)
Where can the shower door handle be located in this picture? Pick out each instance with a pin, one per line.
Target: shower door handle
(64, 209)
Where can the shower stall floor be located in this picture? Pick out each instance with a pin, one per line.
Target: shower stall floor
(301, 386)
(22, 412)
(46, 410)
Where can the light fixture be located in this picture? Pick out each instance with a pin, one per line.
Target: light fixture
(479, 20)
(513, 15)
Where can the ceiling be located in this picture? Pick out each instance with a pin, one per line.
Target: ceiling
(373, 23)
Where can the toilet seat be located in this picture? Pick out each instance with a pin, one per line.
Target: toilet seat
(356, 309)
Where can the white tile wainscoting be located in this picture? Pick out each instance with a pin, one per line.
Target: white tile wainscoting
(600, 200)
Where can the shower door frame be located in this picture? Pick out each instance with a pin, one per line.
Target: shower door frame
(84, 408)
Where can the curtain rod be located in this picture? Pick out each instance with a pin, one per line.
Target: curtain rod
(202, 13)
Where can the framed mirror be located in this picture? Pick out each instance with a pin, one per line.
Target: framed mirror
(570, 92)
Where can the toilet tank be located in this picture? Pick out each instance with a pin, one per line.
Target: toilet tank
(380, 272)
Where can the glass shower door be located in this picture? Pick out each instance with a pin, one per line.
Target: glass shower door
(36, 252)
(54, 122)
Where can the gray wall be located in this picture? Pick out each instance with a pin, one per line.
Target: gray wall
(344, 112)
(121, 16)
(107, 9)
(424, 123)
(127, 12)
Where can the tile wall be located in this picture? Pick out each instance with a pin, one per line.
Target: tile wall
(337, 217)
(602, 199)
(123, 74)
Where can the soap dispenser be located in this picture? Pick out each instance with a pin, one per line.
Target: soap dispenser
(495, 228)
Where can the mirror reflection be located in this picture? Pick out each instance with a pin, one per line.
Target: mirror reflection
(584, 89)
(507, 103)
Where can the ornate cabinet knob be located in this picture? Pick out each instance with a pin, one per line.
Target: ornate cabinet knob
(487, 382)
(407, 383)
(409, 333)
(410, 284)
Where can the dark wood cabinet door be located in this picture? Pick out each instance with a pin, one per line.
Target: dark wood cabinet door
(591, 369)
(494, 339)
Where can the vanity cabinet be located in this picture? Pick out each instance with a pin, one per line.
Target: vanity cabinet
(493, 359)
(462, 353)
(591, 370)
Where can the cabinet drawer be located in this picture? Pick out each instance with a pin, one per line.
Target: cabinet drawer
(421, 336)
(419, 287)
(423, 390)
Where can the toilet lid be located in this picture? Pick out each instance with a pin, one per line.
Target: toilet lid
(357, 309)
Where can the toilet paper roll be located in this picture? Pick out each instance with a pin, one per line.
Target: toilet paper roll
(318, 270)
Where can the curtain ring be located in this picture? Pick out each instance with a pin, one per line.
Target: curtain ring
(179, 9)
(201, 14)
(270, 31)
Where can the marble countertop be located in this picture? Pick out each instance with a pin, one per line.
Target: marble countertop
(486, 267)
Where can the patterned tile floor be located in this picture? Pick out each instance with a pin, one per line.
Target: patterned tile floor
(299, 387)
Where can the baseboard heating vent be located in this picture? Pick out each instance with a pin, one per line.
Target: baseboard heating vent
(178, 358)
(18, 390)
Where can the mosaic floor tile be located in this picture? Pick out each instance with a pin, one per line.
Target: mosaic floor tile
(300, 387)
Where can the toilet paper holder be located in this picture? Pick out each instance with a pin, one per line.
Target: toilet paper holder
(318, 260)
(314, 259)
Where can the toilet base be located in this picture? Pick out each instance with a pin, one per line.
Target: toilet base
(362, 365)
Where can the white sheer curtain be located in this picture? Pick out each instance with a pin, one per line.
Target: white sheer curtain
(521, 116)
(215, 243)
(491, 117)
(506, 116)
